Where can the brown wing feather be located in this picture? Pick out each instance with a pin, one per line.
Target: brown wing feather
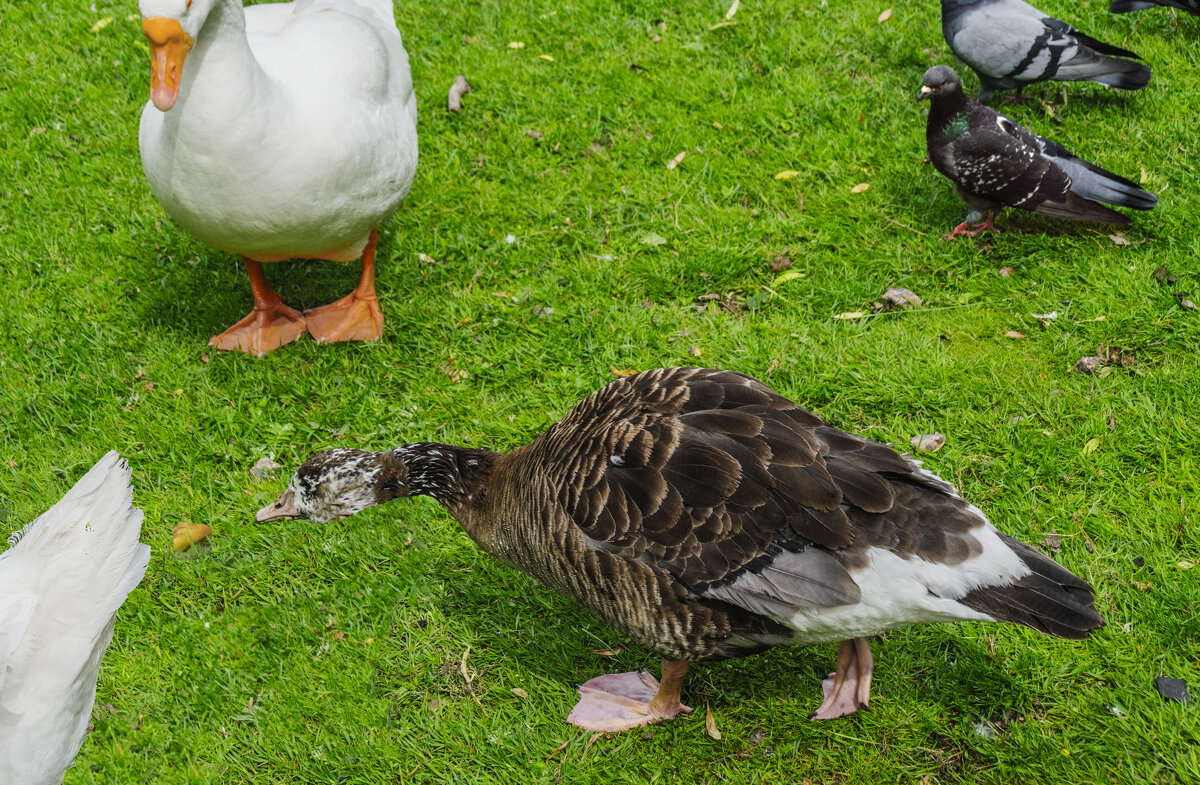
(703, 472)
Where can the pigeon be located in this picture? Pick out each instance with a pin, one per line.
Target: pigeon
(1125, 6)
(996, 163)
(1009, 43)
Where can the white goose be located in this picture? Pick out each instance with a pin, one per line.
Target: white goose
(61, 584)
(291, 132)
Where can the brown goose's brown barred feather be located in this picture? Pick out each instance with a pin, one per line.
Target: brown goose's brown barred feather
(658, 490)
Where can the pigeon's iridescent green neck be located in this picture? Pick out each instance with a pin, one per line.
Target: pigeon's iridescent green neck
(955, 125)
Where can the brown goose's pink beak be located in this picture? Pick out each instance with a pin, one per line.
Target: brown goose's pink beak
(281, 509)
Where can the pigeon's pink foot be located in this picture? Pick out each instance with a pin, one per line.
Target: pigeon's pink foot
(986, 226)
(1018, 97)
(622, 701)
(848, 688)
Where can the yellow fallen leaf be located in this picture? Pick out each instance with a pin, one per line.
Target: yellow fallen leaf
(516, 44)
(850, 315)
(860, 188)
(787, 275)
(187, 534)
(886, 15)
(547, 58)
(1185, 565)
(105, 21)
(733, 9)
(710, 725)
(1145, 176)
(787, 174)
(1092, 445)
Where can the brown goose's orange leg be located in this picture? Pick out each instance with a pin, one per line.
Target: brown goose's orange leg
(355, 317)
(270, 325)
(620, 701)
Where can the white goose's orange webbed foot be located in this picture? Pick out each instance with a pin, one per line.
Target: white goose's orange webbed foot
(848, 688)
(270, 325)
(623, 701)
(355, 317)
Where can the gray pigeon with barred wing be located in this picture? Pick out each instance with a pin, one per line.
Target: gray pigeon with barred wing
(1125, 6)
(706, 516)
(1009, 43)
(995, 163)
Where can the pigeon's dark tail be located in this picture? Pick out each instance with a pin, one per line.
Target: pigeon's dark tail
(1125, 6)
(1129, 76)
(1075, 207)
(1050, 599)
(1092, 182)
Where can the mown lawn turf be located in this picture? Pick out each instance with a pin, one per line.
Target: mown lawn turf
(385, 648)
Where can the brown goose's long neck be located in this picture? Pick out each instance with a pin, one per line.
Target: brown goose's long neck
(452, 476)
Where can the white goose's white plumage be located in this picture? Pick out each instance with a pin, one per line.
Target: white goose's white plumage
(60, 587)
(280, 130)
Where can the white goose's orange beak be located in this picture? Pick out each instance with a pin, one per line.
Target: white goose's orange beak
(169, 46)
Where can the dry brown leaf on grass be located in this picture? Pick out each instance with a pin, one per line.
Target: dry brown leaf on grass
(1053, 541)
(677, 160)
(520, 693)
(710, 725)
(929, 442)
(264, 468)
(885, 15)
(186, 534)
(1014, 334)
(897, 299)
(457, 90)
(860, 188)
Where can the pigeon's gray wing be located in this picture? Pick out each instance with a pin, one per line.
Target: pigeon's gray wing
(1093, 182)
(1009, 43)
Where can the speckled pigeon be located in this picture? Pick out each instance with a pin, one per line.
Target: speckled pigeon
(996, 163)
(1009, 43)
(1125, 6)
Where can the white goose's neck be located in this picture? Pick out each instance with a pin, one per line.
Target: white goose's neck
(221, 70)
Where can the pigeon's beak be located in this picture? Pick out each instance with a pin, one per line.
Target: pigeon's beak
(282, 509)
(925, 93)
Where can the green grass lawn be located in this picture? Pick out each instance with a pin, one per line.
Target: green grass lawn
(386, 648)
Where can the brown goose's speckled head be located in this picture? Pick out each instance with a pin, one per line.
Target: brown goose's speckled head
(336, 484)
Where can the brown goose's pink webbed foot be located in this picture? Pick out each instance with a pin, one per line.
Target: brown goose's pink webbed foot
(848, 688)
(621, 701)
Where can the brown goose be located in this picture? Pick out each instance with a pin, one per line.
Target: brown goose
(706, 516)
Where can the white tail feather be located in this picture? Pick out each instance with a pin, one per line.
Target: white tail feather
(60, 588)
